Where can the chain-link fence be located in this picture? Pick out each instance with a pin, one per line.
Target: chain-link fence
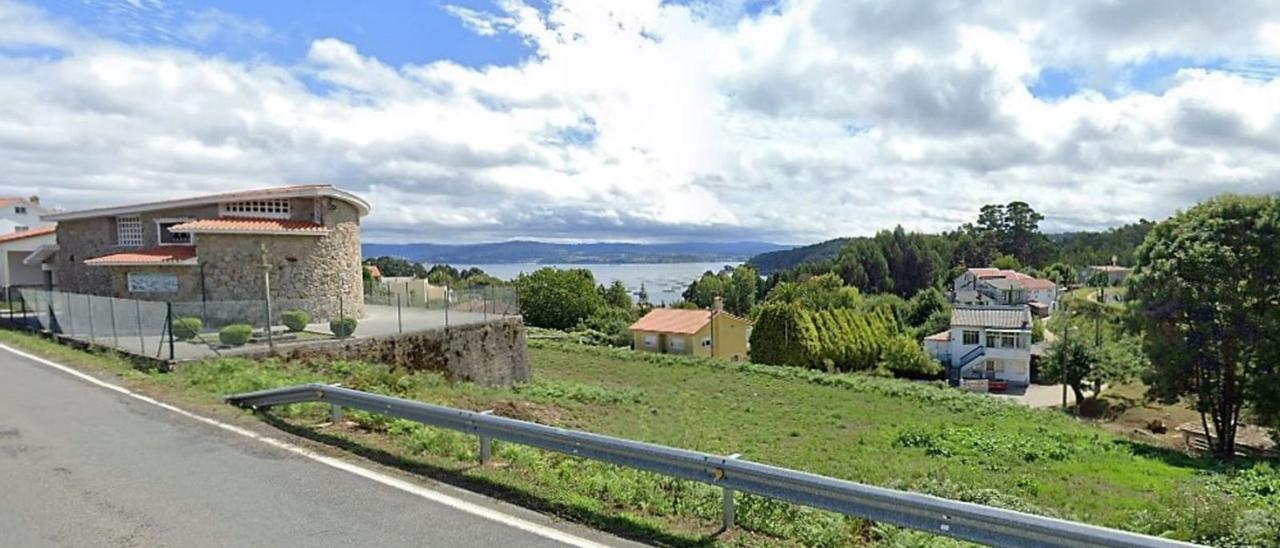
(418, 305)
(204, 329)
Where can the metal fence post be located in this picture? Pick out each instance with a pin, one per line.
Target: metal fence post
(169, 325)
(486, 443)
(399, 320)
(729, 510)
(71, 317)
(89, 301)
(484, 305)
(142, 341)
(115, 337)
(446, 304)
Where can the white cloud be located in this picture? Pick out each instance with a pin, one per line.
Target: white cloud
(642, 120)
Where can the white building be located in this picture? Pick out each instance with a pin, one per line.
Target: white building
(981, 286)
(19, 214)
(986, 342)
(20, 264)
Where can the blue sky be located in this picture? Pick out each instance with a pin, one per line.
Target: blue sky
(396, 31)
(644, 120)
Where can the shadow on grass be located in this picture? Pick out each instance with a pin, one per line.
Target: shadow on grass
(619, 526)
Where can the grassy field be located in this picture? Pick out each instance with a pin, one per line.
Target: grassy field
(880, 431)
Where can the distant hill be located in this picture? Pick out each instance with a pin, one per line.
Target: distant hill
(545, 252)
(774, 261)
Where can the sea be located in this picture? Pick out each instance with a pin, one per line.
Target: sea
(664, 281)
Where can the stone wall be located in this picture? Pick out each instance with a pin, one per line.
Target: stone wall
(489, 354)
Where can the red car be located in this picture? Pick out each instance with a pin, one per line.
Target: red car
(997, 386)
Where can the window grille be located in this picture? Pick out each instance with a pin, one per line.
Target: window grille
(275, 209)
(129, 231)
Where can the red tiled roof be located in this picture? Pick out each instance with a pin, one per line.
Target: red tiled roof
(245, 225)
(673, 320)
(374, 271)
(169, 254)
(24, 234)
(678, 320)
(941, 336)
(1027, 282)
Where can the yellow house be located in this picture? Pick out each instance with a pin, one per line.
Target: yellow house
(714, 333)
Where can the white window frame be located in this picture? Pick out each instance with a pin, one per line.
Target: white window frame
(172, 220)
(21, 228)
(650, 341)
(706, 342)
(128, 238)
(964, 337)
(271, 208)
(20, 210)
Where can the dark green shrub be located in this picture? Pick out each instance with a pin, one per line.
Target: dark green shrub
(186, 328)
(295, 320)
(342, 328)
(235, 334)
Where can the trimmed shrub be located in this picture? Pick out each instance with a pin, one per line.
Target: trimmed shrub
(295, 320)
(187, 328)
(342, 328)
(235, 334)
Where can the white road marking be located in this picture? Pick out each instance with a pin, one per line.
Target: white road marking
(418, 490)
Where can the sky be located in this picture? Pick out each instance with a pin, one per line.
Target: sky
(637, 120)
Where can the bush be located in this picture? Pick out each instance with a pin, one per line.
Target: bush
(295, 320)
(904, 357)
(186, 328)
(342, 328)
(235, 334)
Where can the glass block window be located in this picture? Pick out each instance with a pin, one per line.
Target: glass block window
(271, 209)
(129, 231)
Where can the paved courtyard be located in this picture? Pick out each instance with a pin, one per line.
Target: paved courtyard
(378, 321)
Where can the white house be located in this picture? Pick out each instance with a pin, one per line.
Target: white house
(19, 214)
(17, 266)
(1004, 287)
(986, 342)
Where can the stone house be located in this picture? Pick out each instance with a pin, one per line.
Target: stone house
(210, 250)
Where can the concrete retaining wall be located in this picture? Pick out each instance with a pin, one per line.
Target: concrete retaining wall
(490, 354)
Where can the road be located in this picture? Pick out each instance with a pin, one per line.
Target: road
(81, 465)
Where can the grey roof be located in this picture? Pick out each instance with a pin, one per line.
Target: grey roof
(1002, 283)
(999, 317)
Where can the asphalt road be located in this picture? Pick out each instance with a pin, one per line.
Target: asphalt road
(84, 466)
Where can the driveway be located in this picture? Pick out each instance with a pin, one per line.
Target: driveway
(1039, 395)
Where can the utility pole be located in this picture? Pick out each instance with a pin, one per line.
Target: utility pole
(266, 290)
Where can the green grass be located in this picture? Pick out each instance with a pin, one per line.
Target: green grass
(888, 432)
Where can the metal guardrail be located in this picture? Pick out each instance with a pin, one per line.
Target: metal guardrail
(960, 520)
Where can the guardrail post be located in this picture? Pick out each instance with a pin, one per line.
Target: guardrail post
(729, 510)
(335, 413)
(486, 444)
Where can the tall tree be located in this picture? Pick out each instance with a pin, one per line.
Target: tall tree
(616, 295)
(1206, 293)
(741, 293)
(559, 299)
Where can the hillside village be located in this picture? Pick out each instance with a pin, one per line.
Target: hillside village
(1048, 338)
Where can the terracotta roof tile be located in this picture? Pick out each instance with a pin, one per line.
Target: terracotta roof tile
(1027, 282)
(24, 234)
(169, 254)
(941, 336)
(673, 320)
(245, 225)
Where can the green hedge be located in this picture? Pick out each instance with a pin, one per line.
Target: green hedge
(187, 328)
(235, 334)
(295, 320)
(343, 328)
(840, 339)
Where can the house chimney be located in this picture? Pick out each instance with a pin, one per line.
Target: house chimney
(34, 200)
(717, 304)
